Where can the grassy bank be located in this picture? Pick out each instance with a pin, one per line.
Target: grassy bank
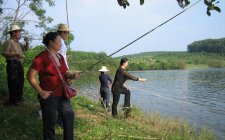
(22, 123)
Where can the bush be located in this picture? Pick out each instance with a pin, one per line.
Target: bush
(216, 63)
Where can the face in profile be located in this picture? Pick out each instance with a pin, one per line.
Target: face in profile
(17, 34)
(56, 44)
(125, 64)
(65, 35)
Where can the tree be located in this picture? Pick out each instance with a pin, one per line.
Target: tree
(211, 4)
(23, 12)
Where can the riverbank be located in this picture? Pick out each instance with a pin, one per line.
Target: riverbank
(92, 122)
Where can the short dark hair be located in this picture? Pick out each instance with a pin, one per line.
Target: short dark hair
(123, 60)
(11, 33)
(51, 36)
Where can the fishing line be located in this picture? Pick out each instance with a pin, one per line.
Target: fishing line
(164, 97)
(145, 34)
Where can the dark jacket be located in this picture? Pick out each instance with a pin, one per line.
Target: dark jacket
(121, 76)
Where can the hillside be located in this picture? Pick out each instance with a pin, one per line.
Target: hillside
(174, 60)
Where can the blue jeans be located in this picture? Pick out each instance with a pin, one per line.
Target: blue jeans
(49, 108)
(105, 95)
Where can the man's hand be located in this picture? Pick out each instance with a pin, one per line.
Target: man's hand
(20, 56)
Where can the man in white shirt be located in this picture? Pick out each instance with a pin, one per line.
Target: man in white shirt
(64, 31)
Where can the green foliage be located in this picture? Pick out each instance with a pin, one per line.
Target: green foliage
(36, 7)
(211, 4)
(31, 54)
(173, 60)
(142, 2)
(208, 46)
(2, 60)
(216, 63)
(19, 16)
(183, 3)
(83, 60)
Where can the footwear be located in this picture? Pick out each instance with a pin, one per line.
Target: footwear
(127, 111)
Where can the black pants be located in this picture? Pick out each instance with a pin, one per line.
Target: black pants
(116, 97)
(49, 108)
(15, 78)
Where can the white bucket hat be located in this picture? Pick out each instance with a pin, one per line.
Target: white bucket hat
(63, 28)
(14, 27)
(103, 69)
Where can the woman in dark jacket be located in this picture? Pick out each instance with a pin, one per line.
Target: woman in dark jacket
(118, 88)
(105, 79)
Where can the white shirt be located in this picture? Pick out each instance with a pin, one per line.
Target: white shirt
(63, 50)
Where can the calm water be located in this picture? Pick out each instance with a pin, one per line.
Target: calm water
(197, 95)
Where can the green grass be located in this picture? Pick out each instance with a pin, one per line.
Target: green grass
(92, 122)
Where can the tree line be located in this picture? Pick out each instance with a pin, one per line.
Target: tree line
(208, 46)
(82, 61)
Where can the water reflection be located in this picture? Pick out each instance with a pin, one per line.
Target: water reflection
(197, 95)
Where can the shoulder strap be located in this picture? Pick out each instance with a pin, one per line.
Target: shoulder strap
(59, 73)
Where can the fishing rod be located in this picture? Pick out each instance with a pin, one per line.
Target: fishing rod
(144, 34)
(67, 17)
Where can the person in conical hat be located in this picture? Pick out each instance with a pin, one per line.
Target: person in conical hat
(105, 92)
(13, 52)
(64, 31)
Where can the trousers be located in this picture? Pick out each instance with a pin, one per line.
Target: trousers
(15, 79)
(50, 107)
(116, 97)
(105, 95)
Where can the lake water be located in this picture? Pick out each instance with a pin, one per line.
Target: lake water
(197, 95)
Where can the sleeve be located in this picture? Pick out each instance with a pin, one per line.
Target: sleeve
(22, 47)
(7, 48)
(109, 79)
(38, 63)
(129, 76)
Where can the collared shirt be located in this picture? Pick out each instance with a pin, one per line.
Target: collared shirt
(63, 51)
(12, 46)
(47, 72)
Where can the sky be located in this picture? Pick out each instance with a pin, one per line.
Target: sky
(104, 26)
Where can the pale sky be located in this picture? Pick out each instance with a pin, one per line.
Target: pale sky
(104, 26)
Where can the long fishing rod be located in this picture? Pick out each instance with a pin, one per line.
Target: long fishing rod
(67, 18)
(145, 34)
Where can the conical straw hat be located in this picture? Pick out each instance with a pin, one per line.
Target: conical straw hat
(63, 27)
(15, 27)
(103, 69)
